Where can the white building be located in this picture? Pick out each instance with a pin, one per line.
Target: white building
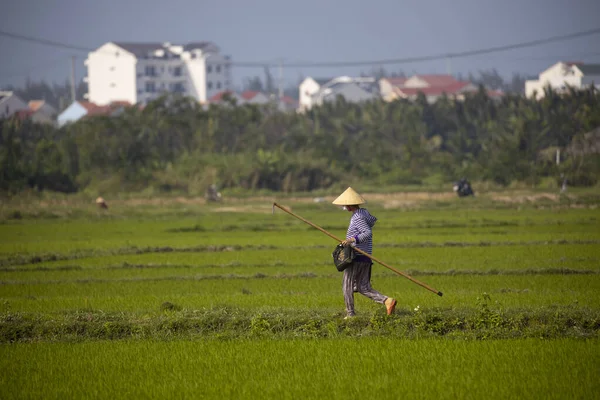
(314, 92)
(140, 72)
(562, 75)
(10, 103)
(307, 89)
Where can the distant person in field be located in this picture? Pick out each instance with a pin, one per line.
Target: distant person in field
(463, 188)
(357, 277)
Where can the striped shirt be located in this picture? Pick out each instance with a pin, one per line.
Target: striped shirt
(360, 229)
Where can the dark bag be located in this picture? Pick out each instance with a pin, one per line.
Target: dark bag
(343, 256)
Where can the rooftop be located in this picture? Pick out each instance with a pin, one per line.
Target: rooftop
(35, 105)
(5, 95)
(140, 49)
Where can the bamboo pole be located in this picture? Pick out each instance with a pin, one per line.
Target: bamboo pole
(410, 278)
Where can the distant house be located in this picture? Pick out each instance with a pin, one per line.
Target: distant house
(76, 111)
(562, 75)
(432, 86)
(309, 87)
(353, 90)
(81, 109)
(388, 86)
(42, 112)
(433, 93)
(254, 97)
(10, 103)
(220, 97)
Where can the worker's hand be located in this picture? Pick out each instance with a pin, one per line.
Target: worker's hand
(348, 242)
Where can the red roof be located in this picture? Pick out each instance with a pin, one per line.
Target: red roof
(249, 94)
(99, 110)
(219, 96)
(88, 105)
(120, 103)
(94, 109)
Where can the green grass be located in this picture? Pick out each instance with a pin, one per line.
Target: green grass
(297, 292)
(308, 369)
(184, 300)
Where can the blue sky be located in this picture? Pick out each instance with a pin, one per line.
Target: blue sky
(303, 31)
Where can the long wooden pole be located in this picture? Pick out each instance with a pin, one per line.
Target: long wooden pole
(410, 278)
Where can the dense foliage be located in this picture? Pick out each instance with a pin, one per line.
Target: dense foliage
(175, 144)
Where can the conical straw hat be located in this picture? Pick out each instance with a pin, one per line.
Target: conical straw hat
(349, 198)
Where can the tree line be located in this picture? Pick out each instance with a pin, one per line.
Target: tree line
(174, 144)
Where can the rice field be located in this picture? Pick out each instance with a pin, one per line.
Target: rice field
(308, 369)
(232, 301)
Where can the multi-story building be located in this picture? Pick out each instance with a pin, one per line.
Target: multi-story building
(140, 72)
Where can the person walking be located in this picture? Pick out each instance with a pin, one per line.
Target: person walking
(357, 277)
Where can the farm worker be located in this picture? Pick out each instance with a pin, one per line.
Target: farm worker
(357, 277)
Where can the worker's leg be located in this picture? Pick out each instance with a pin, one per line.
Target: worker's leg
(362, 274)
(348, 288)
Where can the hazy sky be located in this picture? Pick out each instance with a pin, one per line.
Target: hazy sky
(303, 31)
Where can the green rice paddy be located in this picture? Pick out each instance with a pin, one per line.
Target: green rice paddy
(191, 301)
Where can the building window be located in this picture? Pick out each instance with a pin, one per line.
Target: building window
(177, 71)
(150, 70)
(209, 85)
(178, 87)
(208, 69)
(218, 85)
(218, 68)
(150, 87)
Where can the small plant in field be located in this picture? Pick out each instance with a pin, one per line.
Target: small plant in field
(259, 325)
(377, 322)
(418, 318)
(487, 318)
